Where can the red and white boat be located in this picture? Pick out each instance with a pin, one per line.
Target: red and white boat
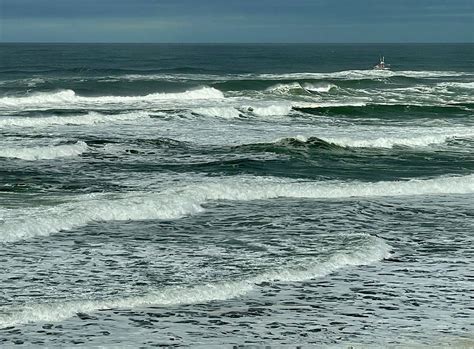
(381, 65)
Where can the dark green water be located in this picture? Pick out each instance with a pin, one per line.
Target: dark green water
(200, 195)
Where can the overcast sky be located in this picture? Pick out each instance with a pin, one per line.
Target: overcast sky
(237, 21)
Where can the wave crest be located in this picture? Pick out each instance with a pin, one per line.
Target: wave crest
(67, 97)
(87, 119)
(45, 153)
(221, 112)
(279, 109)
(173, 204)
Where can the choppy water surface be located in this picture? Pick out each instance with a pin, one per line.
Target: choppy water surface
(204, 195)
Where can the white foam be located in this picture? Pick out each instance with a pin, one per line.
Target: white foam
(34, 81)
(348, 103)
(465, 85)
(46, 152)
(68, 97)
(53, 312)
(221, 112)
(310, 87)
(370, 251)
(361, 74)
(284, 88)
(415, 140)
(390, 142)
(276, 109)
(364, 254)
(39, 98)
(173, 204)
(320, 88)
(174, 77)
(88, 119)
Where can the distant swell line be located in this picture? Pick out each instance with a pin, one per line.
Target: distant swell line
(177, 203)
(339, 75)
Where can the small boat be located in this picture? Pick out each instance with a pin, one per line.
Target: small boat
(381, 65)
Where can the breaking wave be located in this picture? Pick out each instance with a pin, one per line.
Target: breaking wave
(221, 112)
(295, 86)
(370, 251)
(279, 109)
(463, 85)
(380, 142)
(66, 97)
(88, 119)
(320, 88)
(284, 88)
(44, 153)
(390, 142)
(177, 203)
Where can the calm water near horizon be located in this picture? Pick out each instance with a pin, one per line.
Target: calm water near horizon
(261, 195)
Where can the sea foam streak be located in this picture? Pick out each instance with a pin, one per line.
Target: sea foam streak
(67, 97)
(370, 251)
(173, 204)
(88, 119)
(44, 152)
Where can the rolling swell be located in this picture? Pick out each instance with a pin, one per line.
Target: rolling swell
(387, 110)
(296, 144)
(350, 144)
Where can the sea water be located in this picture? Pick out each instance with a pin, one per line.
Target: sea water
(208, 195)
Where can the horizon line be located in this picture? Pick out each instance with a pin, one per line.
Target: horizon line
(233, 43)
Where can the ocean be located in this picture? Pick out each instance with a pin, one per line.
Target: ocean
(236, 195)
